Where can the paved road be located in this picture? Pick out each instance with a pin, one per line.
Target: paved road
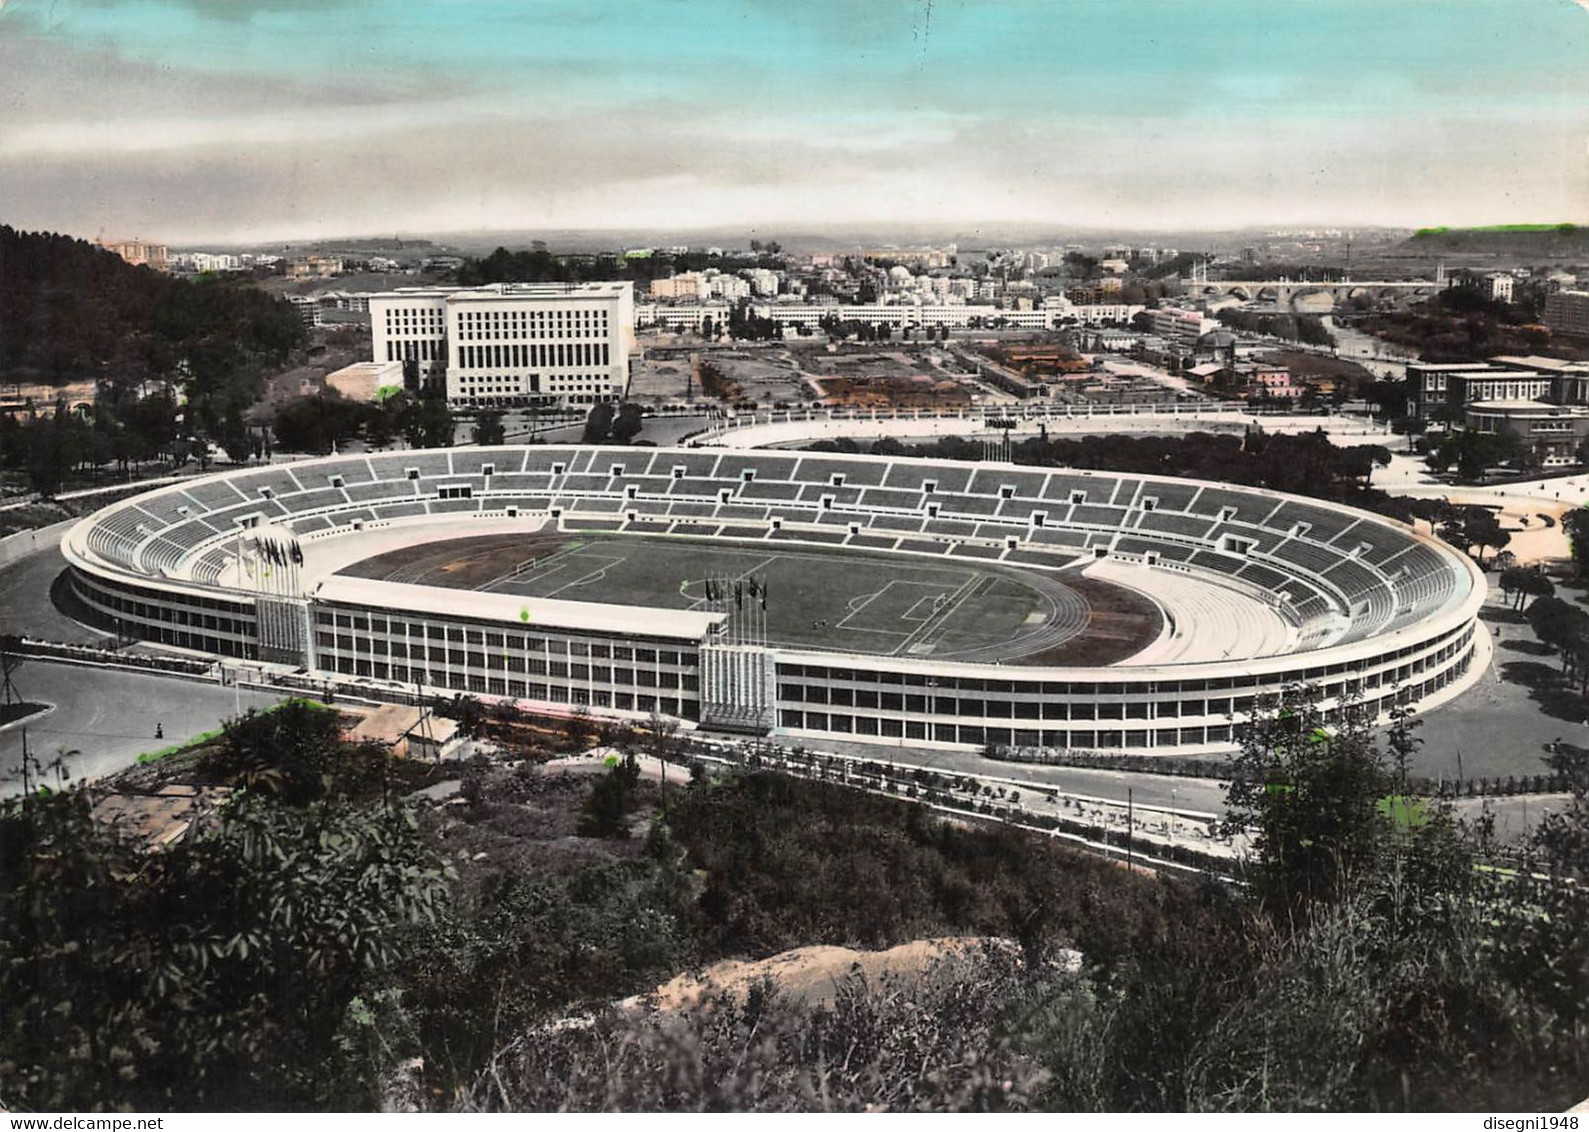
(25, 608)
(658, 430)
(1203, 795)
(108, 718)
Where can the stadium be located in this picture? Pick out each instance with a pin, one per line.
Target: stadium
(814, 596)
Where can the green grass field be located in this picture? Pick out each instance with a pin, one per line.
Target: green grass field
(848, 601)
(844, 600)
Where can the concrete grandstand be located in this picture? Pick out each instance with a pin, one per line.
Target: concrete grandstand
(1000, 604)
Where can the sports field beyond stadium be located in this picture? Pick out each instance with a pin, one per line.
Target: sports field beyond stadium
(832, 600)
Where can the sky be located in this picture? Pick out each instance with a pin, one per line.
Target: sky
(236, 121)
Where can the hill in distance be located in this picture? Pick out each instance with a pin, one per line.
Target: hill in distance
(1528, 242)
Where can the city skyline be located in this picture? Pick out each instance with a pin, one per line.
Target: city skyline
(241, 122)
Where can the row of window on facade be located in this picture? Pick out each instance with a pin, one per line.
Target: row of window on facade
(943, 731)
(483, 684)
(553, 354)
(826, 675)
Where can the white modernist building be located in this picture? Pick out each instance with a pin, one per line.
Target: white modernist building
(511, 343)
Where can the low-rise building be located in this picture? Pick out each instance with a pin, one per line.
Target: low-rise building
(1428, 384)
(408, 732)
(1553, 433)
(366, 381)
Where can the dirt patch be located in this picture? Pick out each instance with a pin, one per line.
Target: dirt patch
(459, 564)
(813, 975)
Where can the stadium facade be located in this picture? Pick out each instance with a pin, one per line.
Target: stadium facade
(248, 565)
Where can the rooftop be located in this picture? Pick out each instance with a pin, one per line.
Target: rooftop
(528, 612)
(1541, 408)
(494, 291)
(1535, 361)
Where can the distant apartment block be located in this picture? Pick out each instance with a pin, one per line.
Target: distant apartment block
(1181, 328)
(314, 267)
(1567, 313)
(511, 343)
(686, 285)
(139, 253)
(207, 261)
(762, 281)
(911, 257)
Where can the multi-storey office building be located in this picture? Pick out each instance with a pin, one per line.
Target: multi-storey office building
(1567, 313)
(512, 343)
(410, 325)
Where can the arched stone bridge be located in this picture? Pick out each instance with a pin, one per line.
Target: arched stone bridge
(1287, 292)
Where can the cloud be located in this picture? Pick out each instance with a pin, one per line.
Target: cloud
(550, 115)
(484, 168)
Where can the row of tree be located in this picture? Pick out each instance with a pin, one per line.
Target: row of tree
(539, 265)
(1306, 328)
(1305, 463)
(325, 421)
(609, 424)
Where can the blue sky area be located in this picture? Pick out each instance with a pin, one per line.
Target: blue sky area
(237, 119)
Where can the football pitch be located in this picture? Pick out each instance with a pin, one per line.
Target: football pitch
(839, 600)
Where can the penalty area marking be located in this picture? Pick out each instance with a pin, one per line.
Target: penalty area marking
(594, 576)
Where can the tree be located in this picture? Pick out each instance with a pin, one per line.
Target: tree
(469, 712)
(213, 974)
(1389, 397)
(1410, 427)
(628, 423)
(606, 808)
(598, 423)
(427, 422)
(319, 423)
(1520, 584)
(663, 741)
(1484, 530)
(1576, 525)
(1308, 795)
(488, 429)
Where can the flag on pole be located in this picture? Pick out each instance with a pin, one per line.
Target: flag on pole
(297, 553)
(764, 594)
(739, 596)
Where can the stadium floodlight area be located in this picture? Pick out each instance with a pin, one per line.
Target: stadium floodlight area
(821, 596)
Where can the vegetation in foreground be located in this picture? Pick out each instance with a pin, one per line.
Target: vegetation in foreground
(320, 942)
